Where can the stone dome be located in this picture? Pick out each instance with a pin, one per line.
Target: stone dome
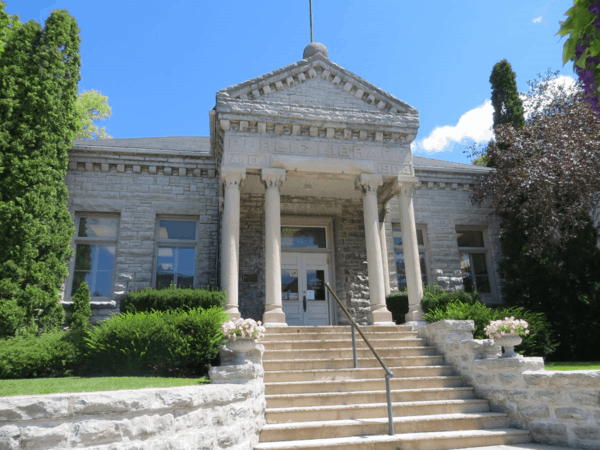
(313, 48)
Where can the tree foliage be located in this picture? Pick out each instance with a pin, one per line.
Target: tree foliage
(583, 47)
(92, 107)
(543, 188)
(508, 107)
(82, 311)
(39, 72)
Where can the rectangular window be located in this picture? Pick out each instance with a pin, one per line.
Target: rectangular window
(473, 265)
(303, 237)
(399, 254)
(176, 255)
(95, 250)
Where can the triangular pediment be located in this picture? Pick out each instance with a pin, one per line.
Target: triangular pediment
(319, 83)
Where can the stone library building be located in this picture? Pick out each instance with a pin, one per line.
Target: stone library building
(307, 178)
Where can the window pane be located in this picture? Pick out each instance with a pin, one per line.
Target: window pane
(465, 267)
(483, 284)
(289, 284)
(400, 270)
(315, 281)
(186, 260)
(470, 238)
(94, 264)
(423, 268)
(174, 229)
(83, 258)
(397, 234)
(165, 260)
(295, 237)
(185, 281)
(100, 227)
(479, 266)
(164, 280)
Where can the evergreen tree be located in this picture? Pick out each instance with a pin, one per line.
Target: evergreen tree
(81, 312)
(508, 107)
(39, 72)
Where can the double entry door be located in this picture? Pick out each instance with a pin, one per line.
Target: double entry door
(303, 297)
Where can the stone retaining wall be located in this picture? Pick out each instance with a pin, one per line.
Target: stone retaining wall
(560, 408)
(227, 414)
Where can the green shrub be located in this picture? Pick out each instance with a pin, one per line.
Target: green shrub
(173, 342)
(12, 317)
(52, 354)
(397, 304)
(434, 298)
(150, 299)
(538, 343)
(81, 312)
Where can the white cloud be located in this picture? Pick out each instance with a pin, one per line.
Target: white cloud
(474, 125)
(537, 20)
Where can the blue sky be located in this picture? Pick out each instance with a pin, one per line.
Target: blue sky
(161, 63)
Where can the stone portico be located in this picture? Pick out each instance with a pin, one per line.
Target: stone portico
(314, 141)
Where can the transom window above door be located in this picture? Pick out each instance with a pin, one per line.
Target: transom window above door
(303, 237)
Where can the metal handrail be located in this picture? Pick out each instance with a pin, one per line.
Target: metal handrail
(388, 372)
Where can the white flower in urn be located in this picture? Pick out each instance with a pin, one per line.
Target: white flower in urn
(244, 328)
(510, 325)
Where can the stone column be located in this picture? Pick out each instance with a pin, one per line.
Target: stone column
(274, 315)
(379, 314)
(410, 248)
(230, 237)
(384, 252)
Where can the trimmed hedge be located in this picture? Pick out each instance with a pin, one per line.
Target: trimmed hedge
(177, 342)
(150, 299)
(434, 298)
(53, 354)
(397, 304)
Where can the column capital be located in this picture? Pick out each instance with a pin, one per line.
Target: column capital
(405, 186)
(273, 178)
(232, 177)
(368, 183)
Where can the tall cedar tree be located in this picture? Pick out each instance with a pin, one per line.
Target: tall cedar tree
(543, 189)
(39, 72)
(508, 107)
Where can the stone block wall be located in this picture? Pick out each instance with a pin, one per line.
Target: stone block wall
(442, 203)
(559, 408)
(227, 414)
(138, 188)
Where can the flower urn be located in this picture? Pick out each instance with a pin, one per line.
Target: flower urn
(241, 349)
(508, 341)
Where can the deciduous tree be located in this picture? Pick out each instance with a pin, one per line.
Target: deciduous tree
(92, 107)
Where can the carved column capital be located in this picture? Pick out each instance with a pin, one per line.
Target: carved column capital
(368, 183)
(273, 178)
(232, 177)
(406, 189)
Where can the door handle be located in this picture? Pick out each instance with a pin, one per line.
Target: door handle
(304, 302)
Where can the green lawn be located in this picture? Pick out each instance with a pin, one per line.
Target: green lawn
(595, 365)
(36, 386)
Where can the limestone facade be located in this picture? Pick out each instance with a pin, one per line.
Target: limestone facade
(309, 145)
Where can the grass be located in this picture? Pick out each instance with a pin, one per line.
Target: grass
(594, 365)
(36, 386)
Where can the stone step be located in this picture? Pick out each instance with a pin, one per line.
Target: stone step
(368, 427)
(346, 336)
(369, 384)
(341, 343)
(343, 353)
(373, 410)
(440, 440)
(350, 373)
(338, 329)
(362, 397)
(347, 363)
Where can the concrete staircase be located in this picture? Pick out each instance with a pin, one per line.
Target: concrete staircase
(317, 400)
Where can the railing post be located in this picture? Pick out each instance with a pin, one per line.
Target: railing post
(354, 347)
(389, 404)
